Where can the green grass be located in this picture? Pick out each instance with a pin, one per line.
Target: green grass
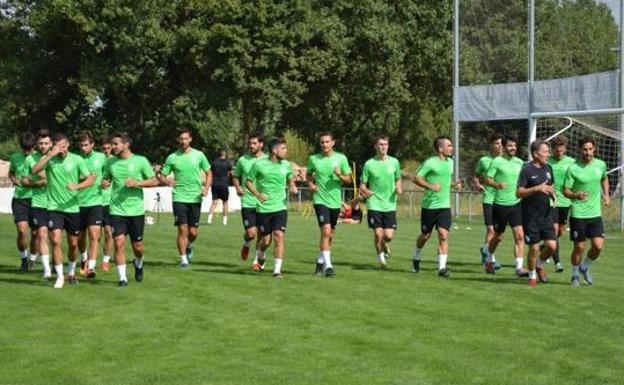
(220, 323)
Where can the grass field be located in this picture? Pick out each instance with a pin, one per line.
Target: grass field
(221, 323)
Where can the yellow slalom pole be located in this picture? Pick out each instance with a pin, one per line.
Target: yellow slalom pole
(353, 173)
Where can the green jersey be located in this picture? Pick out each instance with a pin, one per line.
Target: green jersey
(187, 168)
(437, 171)
(127, 201)
(329, 192)
(480, 171)
(39, 194)
(106, 192)
(16, 167)
(92, 195)
(381, 176)
(241, 171)
(505, 170)
(586, 177)
(60, 172)
(270, 179)
(560, 168)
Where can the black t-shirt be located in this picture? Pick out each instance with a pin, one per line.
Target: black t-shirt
(538, 204)
(220, 171)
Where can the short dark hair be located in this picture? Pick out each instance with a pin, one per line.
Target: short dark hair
(582, 142)
(86, 135)
(438, 141)
(27, 141)
(43, 133)
(559, 141)
(59, 136)
(535, 146)
(276, 142)
(496, 136)
(508, 139)
(124, 137)
(257, 135)
(380, 137)
(325, 133)
(183, 130)
(105, 140)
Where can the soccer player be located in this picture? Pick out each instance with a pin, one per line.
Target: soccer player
(560, 163)
(20, 204)
(380, 184)
(106, 147)
(583, 184)
(90, 201)
(127, 173)
(248, 200)
(39, 204)
(327, 172)
(66, 173)
(435, 176)
(191, 170)
(221, 171)
(267, 180)
(535, 189)
(503, 176)
(496, 149)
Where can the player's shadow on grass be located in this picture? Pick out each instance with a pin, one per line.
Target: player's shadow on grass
(506, 280)
(392, 267)
(24, 281)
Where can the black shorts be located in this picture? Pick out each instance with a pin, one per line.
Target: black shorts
(326, 216)
(186, 213)
(91, 216)
(250, 217)
(221, 192)
(506, 215)
(560, 214)
(269, 222)
(438, 218)
(105, 215)
(487, 214)
(583, 228)
(70, 222)
(538, 229)
(381, 219)
(21, 210)
(39, 217)
(132, 226)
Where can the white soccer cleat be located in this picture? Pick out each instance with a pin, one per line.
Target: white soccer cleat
(60, 281)
(47, 274)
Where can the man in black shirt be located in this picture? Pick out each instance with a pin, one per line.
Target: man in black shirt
(221, 170)
(535, 188)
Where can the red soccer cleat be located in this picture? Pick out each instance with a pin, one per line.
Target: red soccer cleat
(533, 282)
(244, 253)
(105, 266)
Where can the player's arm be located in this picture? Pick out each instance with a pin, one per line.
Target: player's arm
(476, 181)
(40, 166)
(237, 186)
(292, 186)
(605, 191)
(252, 189)
(84, 183)
(207, 182)
(344, 173)
(310, 181)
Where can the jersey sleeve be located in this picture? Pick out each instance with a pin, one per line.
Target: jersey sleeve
(166, 170)
(569, 178)
(146, 169)
(523, 177)
(365, 172)
(238, 170)
(28, 165)
(424, 169)
(311, 168)
(604, 170)
(479, 168)
(289, 173)
(344, 166)
(107, 169)
(13, 164)
(253, 173)
(203, 163)
(83, 169)
(397, 170)
(491, 170)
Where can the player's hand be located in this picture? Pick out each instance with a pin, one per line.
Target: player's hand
(240, 192)
(502, 185)
(261, 197)
(399, 190)
(105, 184)
(480, 188)
(337, 172)
(72, 186)
(581, 196)
(171, 182)
(546, 189)
(294, 190)
(131, 183)
(16, 182)
(606, 200)
(205, 192)
(435, 187)
(313, 188)
(54, 151)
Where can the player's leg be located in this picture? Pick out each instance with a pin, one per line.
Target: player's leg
(389, 224)
(34, 246)
(500, 219)
(182, 241)
(82, 240)
(136, 227)
(119, 228)
(250, 232)
(56, 240)
(95, 231)
(107, 250)
(278, 226)
(518, 235)
(443, 226)
(194, 212)
(225, 195)
(72, 254)
(489, 230)
(20, 209)
(323, 217)
(578, 237)
(595, 232)
(214, 193)
(263, 242)
(44, 249)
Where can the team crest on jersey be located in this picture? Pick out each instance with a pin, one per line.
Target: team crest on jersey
(283, 171)
(131, 167)
(334, 164)
(391, 169)
(597, 171)
(548, 175)
(69, 165)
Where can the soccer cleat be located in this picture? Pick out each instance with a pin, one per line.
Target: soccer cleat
(329, 272)
(541, 275)
(47, 274)
(257, 266)
(31, 265)
(386, 249)
(575, 281)
(521, 273)
(189, 253)
(122, 283)
(533, 282)
(382, 262)
(184, 265)
(319, 269)
(60, 281)
(83, 267)
(138, 273)
(105, 266)
(483, 255)
(558, 268)
(497, 266)
(72, 279)
(24, 265)
(586, 277)
(444, 273)
(91, 273)
(244, 252)
(415, 265)
(490, 268)
(278, 275)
